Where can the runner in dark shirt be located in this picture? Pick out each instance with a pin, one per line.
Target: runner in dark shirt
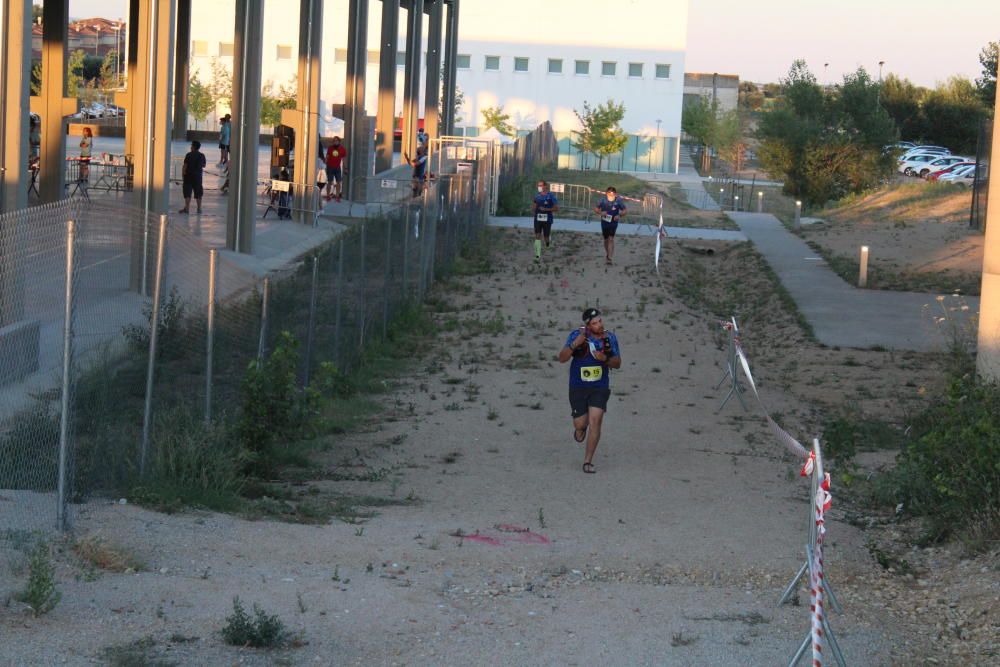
(611, 209)
(194, 167)
(542, 208)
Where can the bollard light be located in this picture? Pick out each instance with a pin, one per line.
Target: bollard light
(798, 214)
(863, 268)
(736, 202)
(760, 202)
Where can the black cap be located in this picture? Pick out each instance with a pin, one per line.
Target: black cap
(590, 314)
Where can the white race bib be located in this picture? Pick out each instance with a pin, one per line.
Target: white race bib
(542, 217)
(591, 373)
(607, 217)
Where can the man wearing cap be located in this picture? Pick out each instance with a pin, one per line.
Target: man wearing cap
(594, 351)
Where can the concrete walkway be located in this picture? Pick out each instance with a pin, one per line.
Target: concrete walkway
(842, 315)
(624, 229)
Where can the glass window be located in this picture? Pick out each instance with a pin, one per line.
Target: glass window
(492, 63)
(583, 67)
(662, 71)
(464, 61)
(340, 55)
(635, 70)
(199, 48)
(608, 68)
(400, 58)
(225, 48)
(284, 52)
(520, 64)
(472, 131)
(555, 66)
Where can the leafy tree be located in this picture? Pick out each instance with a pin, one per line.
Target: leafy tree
(602, 134)
(702, 120)
(986, 84)
(221, 85)
(952, 114)
(751, 98)
(902, 100)
(200, 101)
(273, 102)
(494, 117)
(862, 115)
(74, 73)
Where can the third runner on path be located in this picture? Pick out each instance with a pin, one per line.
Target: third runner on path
(594, 351)
(611, 210)
(542, 209)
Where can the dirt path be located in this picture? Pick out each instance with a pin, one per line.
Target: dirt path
(674, 553)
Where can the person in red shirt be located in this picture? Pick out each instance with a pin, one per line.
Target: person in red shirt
(335, 153)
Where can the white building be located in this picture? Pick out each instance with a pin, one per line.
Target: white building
(538, 59)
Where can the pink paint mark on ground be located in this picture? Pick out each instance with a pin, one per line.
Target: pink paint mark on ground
(530, 538)
(564, 284)
(483, 539)
(510, 534)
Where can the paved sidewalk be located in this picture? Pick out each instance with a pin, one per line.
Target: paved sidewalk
(840, 314)
(624, 229)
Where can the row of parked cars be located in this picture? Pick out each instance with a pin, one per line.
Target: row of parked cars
(98, 110)
(934, 163)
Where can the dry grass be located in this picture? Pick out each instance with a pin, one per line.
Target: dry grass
(105, 555)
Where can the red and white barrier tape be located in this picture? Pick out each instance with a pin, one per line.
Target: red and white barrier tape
(817, 587)
(785, 438)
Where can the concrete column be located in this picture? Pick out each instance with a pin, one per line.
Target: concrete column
(988, 355)
(411, 75)
(52, 104)
(385, 120)
(241, 215)
(182, 69)
(15, 49)
(355, 120)
(432, 93)
(304, 118)
(450, 68)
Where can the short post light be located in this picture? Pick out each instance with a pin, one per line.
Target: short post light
(760, 202)
(798, 214)
(863, 268)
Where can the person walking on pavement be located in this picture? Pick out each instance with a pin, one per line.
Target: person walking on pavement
(594, 352)
(225, 132)
(611, 209)
(543, 207)
(335, 155)
(191, 173)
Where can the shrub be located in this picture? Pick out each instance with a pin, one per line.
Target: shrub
(260, 631)
(40, 593)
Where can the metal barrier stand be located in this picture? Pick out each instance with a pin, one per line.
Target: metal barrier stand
(735, 389)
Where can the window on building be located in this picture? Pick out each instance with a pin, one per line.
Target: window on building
(340, 55)
(662, 71)
(583, 67)
(199, 48)
(520, 64)
(555, 66)
(492, 63)
(284, 52)
(472, 131)
(608, 68)
(635, 70)
(400, 58)
(464, 61)
(225, 48)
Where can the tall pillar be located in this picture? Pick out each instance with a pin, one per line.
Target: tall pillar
(52, 104)
(241, 215)
(355, 119)
(15, 49)
(450, 68)
(411, 75)
(182, 69)
(432, 93)
(304, 118)
(988, 355)
(385, 121)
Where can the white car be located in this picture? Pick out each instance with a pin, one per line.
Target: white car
(957, 173)
(922, 150)
(937, 165)
(916, 161)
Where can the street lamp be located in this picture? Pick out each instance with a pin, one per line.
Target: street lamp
(118, 52)
(826, 79)
(97, 39)
(880, 63)
(658, 121)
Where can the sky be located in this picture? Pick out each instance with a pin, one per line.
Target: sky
(925, 41)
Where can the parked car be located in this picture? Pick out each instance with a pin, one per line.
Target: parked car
(959, 172)
(951, 169)
(907, 166)
(920, 150)
(940, 163)
(966, 180)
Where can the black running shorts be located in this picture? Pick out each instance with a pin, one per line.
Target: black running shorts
(583, 398)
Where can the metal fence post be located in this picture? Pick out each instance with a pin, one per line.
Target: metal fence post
(406, 250)
(264, 299)
(213, 267)
(387, 273)
(361, 301)
(311, 331)
(154, 327)
(340, 301)
(61, 518)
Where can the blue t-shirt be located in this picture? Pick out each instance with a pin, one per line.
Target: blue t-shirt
(585, 371)
(224, 133)
(544, 202)
(419, 166)
(613, 209)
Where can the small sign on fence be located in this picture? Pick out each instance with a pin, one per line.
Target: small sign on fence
(280, 186)
(557, 187)
(389, 183)
(464, 168)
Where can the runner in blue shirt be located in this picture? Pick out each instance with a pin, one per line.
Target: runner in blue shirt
(594, 351)
(611, 209)
(542, 208)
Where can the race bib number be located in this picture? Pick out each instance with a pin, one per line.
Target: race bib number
(591, 373)
(542, 217)
(607, 217)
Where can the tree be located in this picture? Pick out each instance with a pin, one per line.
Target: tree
(952, 113)
(986, 84)
(494, 117)
(902, 100)
(221, 85)
(200, 101)
(74, 73)
(602, 134)
(857, 104)
(272, 103)
(751, 98)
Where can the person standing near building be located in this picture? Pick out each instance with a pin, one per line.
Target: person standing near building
(422, 137)
(543, 207)
(419, 164)
(335, 155)
(611, 209)
(191, 173)
(594, 351)
(225, 134)
(86, 148)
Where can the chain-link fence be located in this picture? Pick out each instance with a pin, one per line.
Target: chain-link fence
(161, 330)
(981, 181)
